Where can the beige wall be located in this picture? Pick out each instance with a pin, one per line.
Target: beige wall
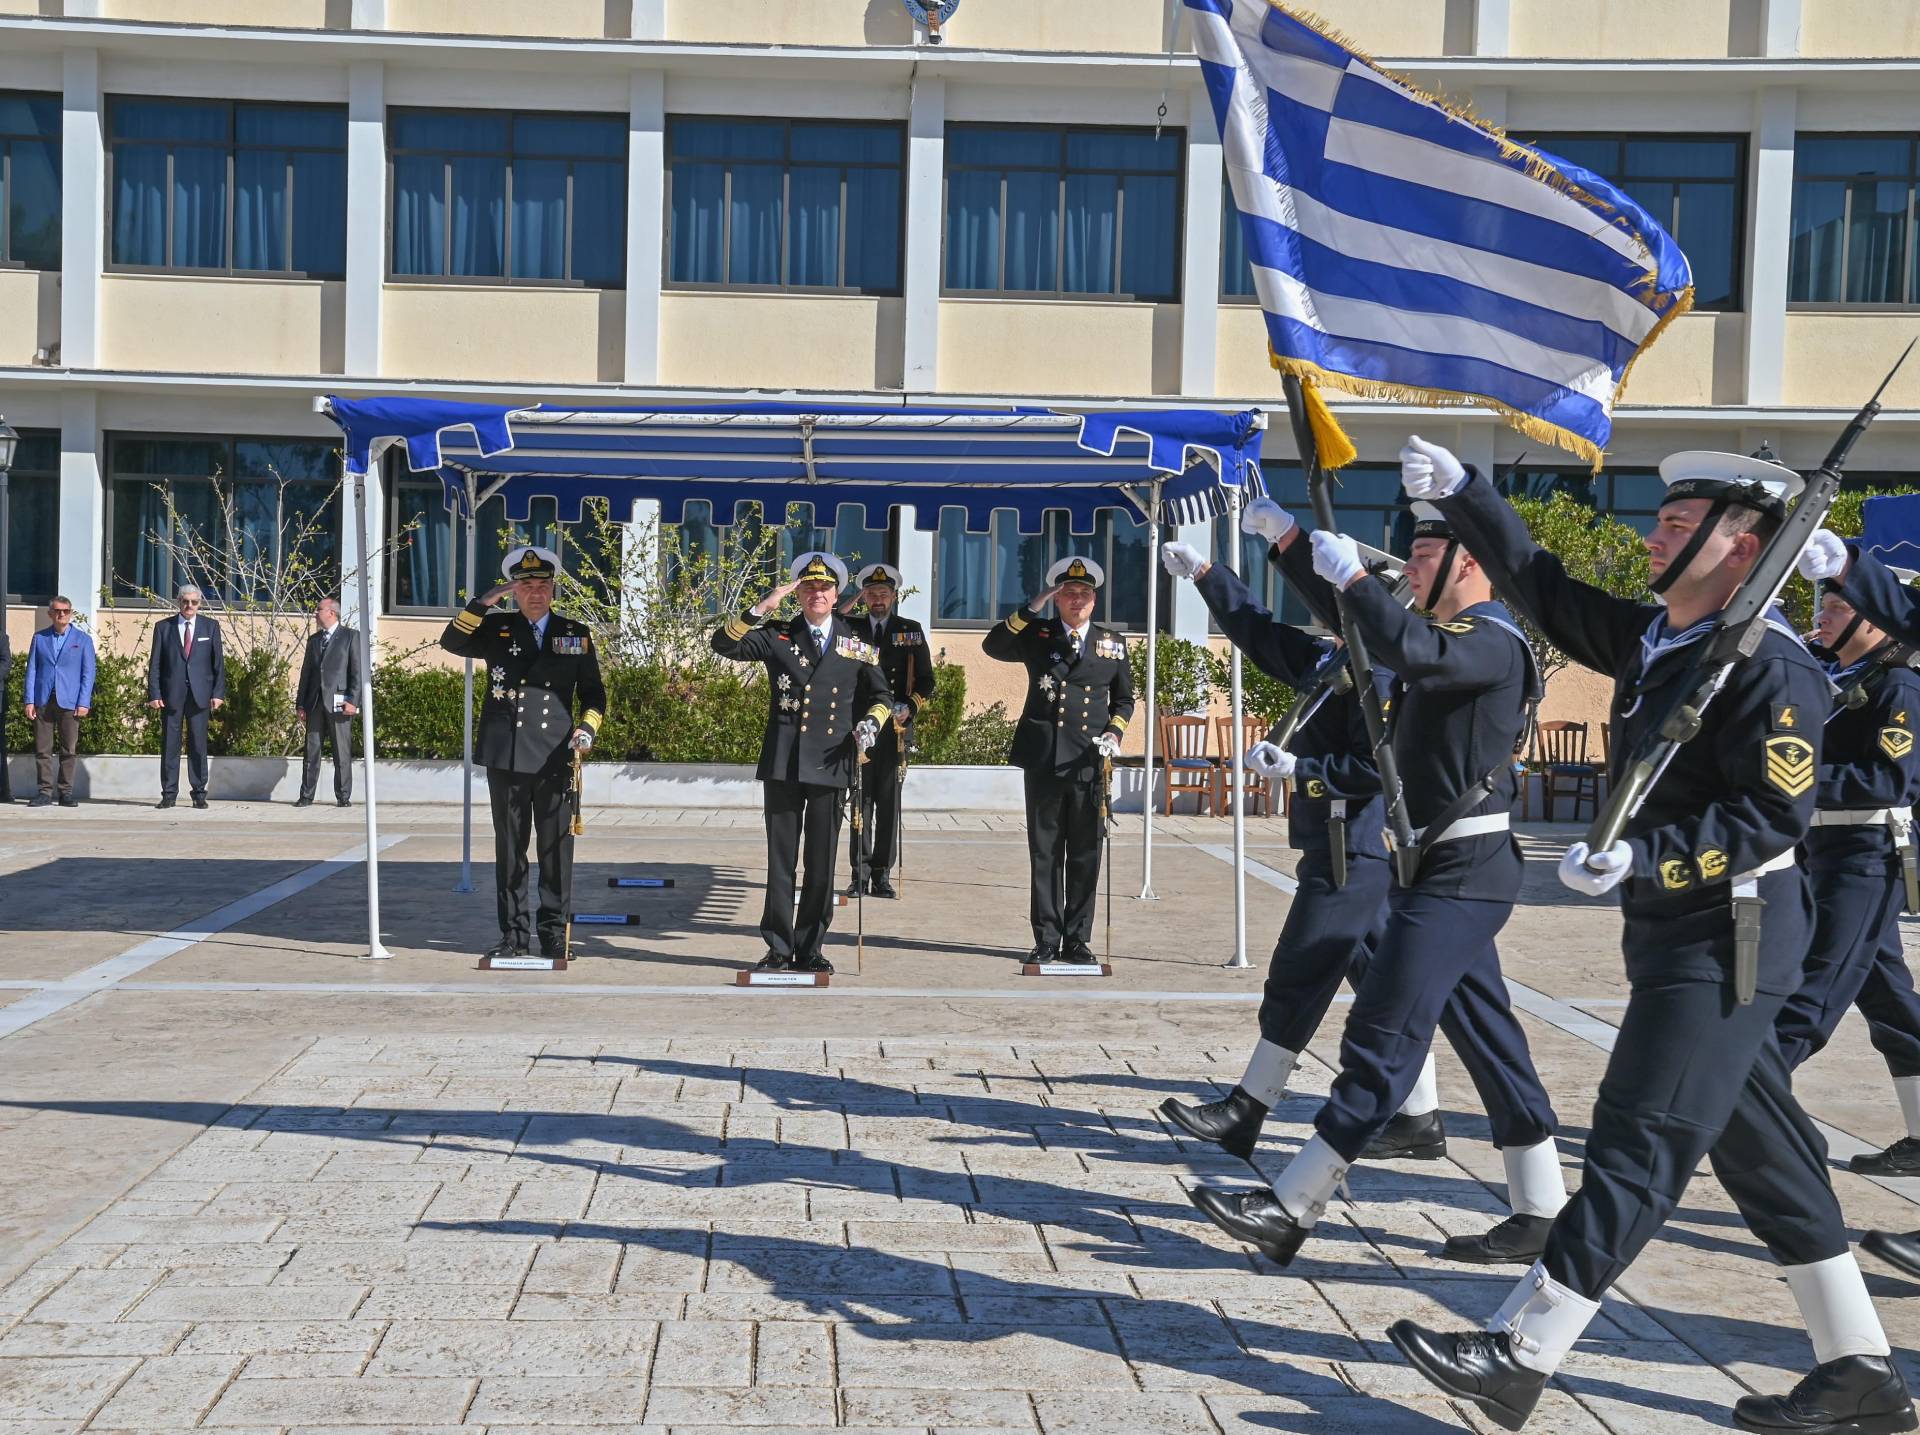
(773, 341)
(1136, 26)
(1405, 27)
(1877, 28)
(1698, 360)
(507, 333)
(1628, 29)
(1242, 367)
(29, 314)
(792, 22)
(579, 19)
(1836, 360)
(1058, 346)
(169, 322)
(292, 14)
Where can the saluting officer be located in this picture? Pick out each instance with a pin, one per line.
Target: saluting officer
(1697, 1070)
(902, 645)
(540, 667)
(827, 696)
(1079, 701)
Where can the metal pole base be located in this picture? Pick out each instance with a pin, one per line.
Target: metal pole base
(1147, 894)
(463, 888)
(1236, 963)
(377, 954)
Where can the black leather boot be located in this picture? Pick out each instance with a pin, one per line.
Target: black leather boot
(1857, 1395)
(1410, 1138)
(1256, 1217)
(1475, 1365)
(1899, 1249)
(1233, 1124)
(1516, 1241)
(1900, 1159)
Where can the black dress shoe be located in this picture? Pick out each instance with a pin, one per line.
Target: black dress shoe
(1233, 1124)
(1899, 1249)
(1410, 1138)
(855, 887)
(343, 802)
(554, 947)
(69, 801)
(771, 962)
(164, 803)
(814, 963)
(881, 888)
(41, 800)
(1475, 1365)
(506, 947)
(1856, 1395)
(200, 799)
(1042, 954)
(1256, 1217)
(303, 802)
(1080, 954)
(1900, 1159)
(1516, 1241)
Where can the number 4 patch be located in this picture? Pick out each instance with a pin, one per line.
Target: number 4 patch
(1790, 764)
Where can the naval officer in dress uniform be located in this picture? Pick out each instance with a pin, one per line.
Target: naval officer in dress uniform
(1079, 701)
(902, 645)
(540, 666)
(827, 697)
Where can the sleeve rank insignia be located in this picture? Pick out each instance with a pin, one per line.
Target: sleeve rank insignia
(1789, 764)
(1786, 717)
(1896, 742)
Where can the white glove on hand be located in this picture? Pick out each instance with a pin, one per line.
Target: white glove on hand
(864, 733)
(1182, 560)
(1825, 556)
(1428, 470)
(1266, 519)
(902, 713)
(1336, 558)
(583, 741)
(1107, 745)
(1598, 873)
(1272, 761)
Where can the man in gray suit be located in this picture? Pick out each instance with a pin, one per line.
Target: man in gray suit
(325, 700)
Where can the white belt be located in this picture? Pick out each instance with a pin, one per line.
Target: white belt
(1747, 884)
(1466, 827)
(1864, 817)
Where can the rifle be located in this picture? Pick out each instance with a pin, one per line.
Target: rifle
(1406, 856)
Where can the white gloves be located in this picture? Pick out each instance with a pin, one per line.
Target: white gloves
(1182, 560)
(1825, 556)
(864, 733)
(902, 713)
(1271, 761)
(1107, 745)
(1598, 873)
(1266, 519)
(1428, 470)
(583, 741)
(1336, 558)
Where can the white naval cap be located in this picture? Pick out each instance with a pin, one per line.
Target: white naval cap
(818, 567)
(879, 573)
(1731, 478)
(1076, 569)
(530, 561)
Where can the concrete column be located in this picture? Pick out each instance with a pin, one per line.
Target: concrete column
(1780, 28)
(83, 209)
(649, 21)
(1492, 28)
(1770, 223)
(926, 219)
(916, 569)
(367, 203)
(81, 567)
(646, 247)
(1189, 616)
(1200, 279)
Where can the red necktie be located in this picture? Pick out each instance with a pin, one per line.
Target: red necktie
(189, 646)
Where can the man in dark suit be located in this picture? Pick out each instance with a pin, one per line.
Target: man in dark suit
(827, 696)
(902, 645)
(186, 680)
(325, 701)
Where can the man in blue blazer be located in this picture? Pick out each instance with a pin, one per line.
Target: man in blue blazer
(59, 692)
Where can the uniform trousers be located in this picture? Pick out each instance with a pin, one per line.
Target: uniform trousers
(1855, 959)
(536, 804)
(1693, 1073)
(337, 729)
(193, 718)
(801, 817)
(1435, 966)
(1063, 850)
(876, 846)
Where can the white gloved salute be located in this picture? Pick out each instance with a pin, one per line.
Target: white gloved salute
(1336, 558)
(1271, 760)
(1266, 519)
(1107, 744)
(865, 733)
(1824, 557)
(1428, 470)
(583, 740)
(1182, 560)
(1596, 873)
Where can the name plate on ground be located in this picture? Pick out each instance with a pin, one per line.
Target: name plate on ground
(605, 919)
(640, 882)
(781, 979)
(523, 964)
(1065, 969)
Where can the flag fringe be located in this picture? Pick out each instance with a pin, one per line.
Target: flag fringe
(1683, 302)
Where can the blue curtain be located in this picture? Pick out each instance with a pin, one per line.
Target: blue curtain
(33, 534)
(1813, 273)
(965, 561)
(478, 220)
(260, 209)
(419, 215)
(1033, 231)
(199, 209)
(873, 229)
(140, 206)
(1093, 214)
(754, 245)
(813, 232)
(599, 223)
(540, 219)
(423, 578)
(973, 230)
(320, 214)
(33, 204)
(1151, 238)
(699, 220)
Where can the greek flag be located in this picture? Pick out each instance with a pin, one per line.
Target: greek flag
(1401, 250)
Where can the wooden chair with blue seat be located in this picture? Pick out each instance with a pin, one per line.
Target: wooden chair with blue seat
(1564, 769)
(1189, 769)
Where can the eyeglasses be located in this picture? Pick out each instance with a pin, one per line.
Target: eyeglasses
(58, 612)
(189, 602)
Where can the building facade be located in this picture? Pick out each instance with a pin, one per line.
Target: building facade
(212, 212)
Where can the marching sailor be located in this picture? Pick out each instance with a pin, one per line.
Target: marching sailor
(1696, 1070)
(902, 645)
(827, 696)
(1079, 701)
(1463, 696)
(539, 666)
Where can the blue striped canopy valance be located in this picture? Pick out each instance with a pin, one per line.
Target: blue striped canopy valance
(874, 457)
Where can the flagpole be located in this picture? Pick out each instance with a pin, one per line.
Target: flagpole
(1153, 644)
(1236, 707)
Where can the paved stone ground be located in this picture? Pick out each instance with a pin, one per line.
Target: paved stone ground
(250, 1183)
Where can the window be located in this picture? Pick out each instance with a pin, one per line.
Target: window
(226, 514)
(226, 188)
(1367, 505)
(428, 569)
(1632, 495)
(1694, 185)
(1852, 233)
(33, 517)
(784, 204)
(979, 578)
(1236, 267)
(30, 181)
(1046, 210)
(698, 538)
(486, 195)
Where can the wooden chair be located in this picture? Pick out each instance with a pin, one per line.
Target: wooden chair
(1259, 789)
(1189, 769)
(1563, 767)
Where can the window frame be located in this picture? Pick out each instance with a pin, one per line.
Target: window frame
(786, 162)
(232, 147)
(505, 279)
(7, 142)
(1078, 542)
(1910, 268)
(667, 556)
(20, 598)
(1178, 174)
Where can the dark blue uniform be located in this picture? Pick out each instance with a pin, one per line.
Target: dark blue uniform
(908, 661)
(1460, 703)
(1876, 592)
(1693, 1072)
(1868, 766)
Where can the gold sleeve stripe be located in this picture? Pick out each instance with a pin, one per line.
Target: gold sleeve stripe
(591, 720)
(737, 629)
(466, 621)
(1118, 724)
(918, 701)
(1016, 620)
(880, 713)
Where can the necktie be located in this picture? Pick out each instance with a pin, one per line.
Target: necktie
(819, 642)
(186, 640)
(1076, 645)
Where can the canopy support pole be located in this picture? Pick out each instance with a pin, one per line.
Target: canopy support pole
(1153, 717)
(1239, 770)
(465, 884)
(363, 588)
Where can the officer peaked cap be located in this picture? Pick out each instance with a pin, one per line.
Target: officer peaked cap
(818, 568)
(882, 573)
(529, 561)
(1075, 569)
(1731, 478)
